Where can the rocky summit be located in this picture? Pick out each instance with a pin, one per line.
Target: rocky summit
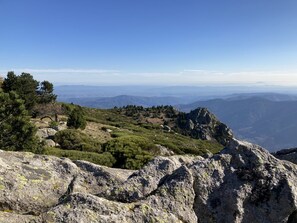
(202, 124)
(244, 183)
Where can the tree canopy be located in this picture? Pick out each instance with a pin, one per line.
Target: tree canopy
(16, 131)
(19, 94)
(45, 93)
(1, 82)
(29, 89)
(24, 85)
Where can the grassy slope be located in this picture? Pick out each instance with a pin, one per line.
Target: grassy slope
(124, 126)
(126, 129)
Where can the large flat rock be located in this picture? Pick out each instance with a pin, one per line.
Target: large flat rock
(244, 183)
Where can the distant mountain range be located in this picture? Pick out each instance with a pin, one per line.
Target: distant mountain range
(123, 100)
(268, 96)
(192, 93)
(271, 124)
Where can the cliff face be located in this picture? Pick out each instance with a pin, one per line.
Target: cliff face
(244, 183)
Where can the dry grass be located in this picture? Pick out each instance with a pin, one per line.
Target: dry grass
(95, 131)
(155, 121)
(40, 123)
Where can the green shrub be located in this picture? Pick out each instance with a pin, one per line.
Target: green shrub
(68, 107)
(76, 119)
(71, 139)
(105, 159)
(130, 152)
(53, 124)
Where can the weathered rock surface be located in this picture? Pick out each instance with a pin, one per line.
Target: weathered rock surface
(202, 124)
(244, 183)
(50, 143)
(164, 151)
(46, 133)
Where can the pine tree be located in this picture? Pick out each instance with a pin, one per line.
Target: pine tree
(45, 93)
(24, 85)
(16, 131)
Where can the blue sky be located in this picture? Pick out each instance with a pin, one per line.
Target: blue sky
(172, 42)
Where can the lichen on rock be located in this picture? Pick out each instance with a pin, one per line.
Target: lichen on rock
(243, 183)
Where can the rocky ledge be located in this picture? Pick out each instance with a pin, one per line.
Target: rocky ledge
(244, 183)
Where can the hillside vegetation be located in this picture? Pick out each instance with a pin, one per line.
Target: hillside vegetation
(114, 138)
(125, 137)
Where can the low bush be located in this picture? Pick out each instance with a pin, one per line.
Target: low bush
(131, 152)
(53, 124)
(71, 139)
(76, 119)
(105, 159)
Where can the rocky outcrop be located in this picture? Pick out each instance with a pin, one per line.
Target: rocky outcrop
(244, 183)
(202, 124)
(46, 133)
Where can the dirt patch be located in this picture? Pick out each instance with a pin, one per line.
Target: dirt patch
(155, 121)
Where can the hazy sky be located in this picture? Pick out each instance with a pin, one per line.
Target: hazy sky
(172, 42)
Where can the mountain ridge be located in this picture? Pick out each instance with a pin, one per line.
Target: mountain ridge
(124, 100)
